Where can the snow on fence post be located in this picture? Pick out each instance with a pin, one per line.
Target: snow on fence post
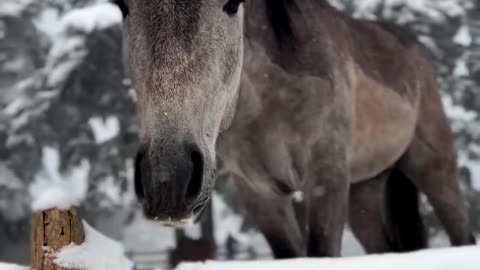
(52, 230)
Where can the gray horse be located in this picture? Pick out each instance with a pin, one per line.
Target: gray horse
(292, 95)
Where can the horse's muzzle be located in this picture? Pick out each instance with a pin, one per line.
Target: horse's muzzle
(169, 182)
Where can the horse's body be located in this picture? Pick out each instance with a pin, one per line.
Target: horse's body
(342, 106)
(327, 105)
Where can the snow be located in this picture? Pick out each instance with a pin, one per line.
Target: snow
(456, 112)
(65, 55)
(227, 222)
(4, 266)
(54, 190)
(143, 235)
(461, 68)
(2, 36)
(15, 106)
(104, 129)
(465, 258)
(8, 179)
(298, 196)
(47, 21)
(13, 204)
(194, 231)
(13, 8)
(111, 190)
(88, 19)
(473, 166)
(404, 11)
(350, 245)
(15, 64)
(98, 252)
(70, 34)
(463, 36)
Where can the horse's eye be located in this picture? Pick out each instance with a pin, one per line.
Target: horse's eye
(123, 7)
(231, 8)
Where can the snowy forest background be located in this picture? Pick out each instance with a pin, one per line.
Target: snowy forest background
(67, 111)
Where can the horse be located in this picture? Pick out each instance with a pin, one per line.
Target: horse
(291, 95)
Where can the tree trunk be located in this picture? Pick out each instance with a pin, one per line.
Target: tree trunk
(51, 231)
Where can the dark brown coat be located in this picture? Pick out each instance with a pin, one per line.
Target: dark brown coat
(294, 96)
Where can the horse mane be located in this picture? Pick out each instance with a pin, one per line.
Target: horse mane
(279, 15)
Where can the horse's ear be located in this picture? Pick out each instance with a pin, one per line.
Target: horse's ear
(231, 8)
(122, 6)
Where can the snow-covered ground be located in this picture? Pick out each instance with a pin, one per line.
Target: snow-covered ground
(98, 252)
(4, 266)
(440, 259)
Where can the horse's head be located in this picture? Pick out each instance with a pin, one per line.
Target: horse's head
(185, 58)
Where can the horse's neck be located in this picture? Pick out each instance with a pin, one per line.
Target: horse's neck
(261, 47)
(257, 26)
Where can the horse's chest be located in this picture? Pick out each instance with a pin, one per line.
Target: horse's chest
(264, 157)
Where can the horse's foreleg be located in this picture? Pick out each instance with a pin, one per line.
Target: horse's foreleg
(327, 204)
(274, 215)
(366, 214)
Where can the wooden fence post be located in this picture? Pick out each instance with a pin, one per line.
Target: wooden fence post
(51, 231)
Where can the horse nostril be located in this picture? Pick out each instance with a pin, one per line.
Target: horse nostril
(196, 179)
(139, 190)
